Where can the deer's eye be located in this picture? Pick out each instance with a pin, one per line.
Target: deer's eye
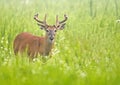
(47, 30)
(58, 26)
(55, 30)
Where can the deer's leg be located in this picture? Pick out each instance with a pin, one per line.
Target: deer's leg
(16, 51)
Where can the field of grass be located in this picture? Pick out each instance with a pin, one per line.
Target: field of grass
(86, 52)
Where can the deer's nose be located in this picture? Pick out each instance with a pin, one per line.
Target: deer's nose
(51, 38)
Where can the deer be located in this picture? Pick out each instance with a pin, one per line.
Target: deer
(41, 45)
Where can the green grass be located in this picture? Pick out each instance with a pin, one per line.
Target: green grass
(86, 52)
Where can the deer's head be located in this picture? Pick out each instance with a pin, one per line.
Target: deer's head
(51, 29)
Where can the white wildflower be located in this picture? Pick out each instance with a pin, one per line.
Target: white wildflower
(118, 21)
(83, 74)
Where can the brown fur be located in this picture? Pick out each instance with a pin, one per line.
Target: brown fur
(35, 45)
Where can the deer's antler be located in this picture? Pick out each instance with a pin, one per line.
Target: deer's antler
(40, 22)
(61, 22)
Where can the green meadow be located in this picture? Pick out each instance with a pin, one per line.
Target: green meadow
(86, 52)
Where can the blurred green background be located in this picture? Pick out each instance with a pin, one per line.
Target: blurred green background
(86, 52)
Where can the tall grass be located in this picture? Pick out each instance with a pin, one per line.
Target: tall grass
(86, 52)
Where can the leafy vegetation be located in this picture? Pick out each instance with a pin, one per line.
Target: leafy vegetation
(86, 52)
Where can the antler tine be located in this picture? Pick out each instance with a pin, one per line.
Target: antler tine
(45, 19)
(57, 22)
(65, 16)
(37, 19)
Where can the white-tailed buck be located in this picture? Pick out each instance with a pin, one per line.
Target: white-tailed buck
(35, 45)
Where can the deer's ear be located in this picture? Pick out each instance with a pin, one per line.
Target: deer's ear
(41, 26)
(61, 26)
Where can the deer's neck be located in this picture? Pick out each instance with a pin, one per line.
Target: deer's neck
(48, 45)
